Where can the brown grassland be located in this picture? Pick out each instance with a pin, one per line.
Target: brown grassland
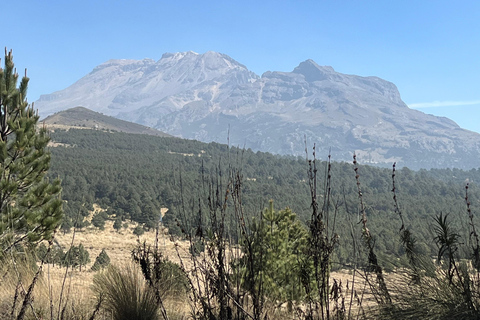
(78, 296)
(78, 284)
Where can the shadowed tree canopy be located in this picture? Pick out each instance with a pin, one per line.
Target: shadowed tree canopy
(30, 205)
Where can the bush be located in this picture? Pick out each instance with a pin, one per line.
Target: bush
(117, 225)
(173, 282)
(138, 231)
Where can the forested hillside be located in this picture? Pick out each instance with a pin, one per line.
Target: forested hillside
(133, 176)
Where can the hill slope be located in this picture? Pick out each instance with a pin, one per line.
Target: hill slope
(84, 118)
(210, 97)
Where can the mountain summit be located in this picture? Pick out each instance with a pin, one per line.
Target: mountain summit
(313, 72)
(212, 97)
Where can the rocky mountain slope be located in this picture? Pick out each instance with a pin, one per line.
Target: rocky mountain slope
(211, 97)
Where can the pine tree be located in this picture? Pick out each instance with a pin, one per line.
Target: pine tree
(279, 244)
(98, 220)
(67, 224)
(101, 261)
(30, 205)
(83, 256)
(70, 258)
(117, 225)
(76, 257)
(58, 256)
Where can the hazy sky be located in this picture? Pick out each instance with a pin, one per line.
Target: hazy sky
(429, 49)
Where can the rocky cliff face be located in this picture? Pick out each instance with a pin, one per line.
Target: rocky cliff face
(205, 96)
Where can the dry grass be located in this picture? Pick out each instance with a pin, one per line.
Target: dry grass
(79, 297)
(119, 244)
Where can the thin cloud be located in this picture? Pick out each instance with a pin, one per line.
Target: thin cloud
(434, 104)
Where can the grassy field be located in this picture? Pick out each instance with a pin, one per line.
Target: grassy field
(75, 286)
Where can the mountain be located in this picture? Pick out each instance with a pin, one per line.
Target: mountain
(80, 117)
(211, 97)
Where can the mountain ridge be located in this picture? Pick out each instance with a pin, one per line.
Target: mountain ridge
(212, 97)
(80, 117)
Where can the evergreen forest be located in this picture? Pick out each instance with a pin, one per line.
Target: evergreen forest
(133, 176)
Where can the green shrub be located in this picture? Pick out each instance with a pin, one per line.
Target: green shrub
(138, 231)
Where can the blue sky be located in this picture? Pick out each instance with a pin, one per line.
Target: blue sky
(429, 49)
